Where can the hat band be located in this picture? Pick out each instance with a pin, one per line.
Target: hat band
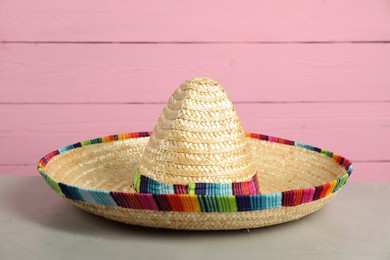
(144, 184)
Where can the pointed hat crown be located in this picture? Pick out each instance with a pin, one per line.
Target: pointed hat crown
(198, 138)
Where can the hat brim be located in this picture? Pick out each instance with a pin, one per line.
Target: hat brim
(96, 176)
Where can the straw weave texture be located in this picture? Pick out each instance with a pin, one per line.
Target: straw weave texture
(109, 166)
(202, 221)
(198, 138)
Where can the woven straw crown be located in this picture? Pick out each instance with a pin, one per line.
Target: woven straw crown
(198, 138)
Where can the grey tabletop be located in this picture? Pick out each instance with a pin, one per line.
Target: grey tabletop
(35, 223)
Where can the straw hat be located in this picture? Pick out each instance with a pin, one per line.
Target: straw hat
(198, 170)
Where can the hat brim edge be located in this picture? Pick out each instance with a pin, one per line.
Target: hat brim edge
(101, 202)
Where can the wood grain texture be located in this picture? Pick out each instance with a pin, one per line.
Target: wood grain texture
(371, 171)
(188, 21)
(312, 71)
(150, 73)
(357, 132)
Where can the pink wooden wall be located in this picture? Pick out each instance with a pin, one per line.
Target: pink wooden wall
(313, 71)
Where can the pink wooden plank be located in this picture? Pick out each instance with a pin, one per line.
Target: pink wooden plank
(357, 131)
(371, 171)
(363, 171)
(18, 170)
(150, 73)
(230, 20)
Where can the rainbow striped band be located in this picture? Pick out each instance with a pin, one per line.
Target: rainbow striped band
(196, 202)
(144, 184)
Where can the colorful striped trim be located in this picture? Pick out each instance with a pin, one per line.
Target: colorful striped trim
(145, 184)
(196, 202)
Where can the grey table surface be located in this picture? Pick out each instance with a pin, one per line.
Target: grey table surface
(35, 223)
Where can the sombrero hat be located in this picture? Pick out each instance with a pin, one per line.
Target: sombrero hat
(198, 170)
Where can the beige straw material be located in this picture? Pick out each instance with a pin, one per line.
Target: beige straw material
(198, 138)
(110, 166)
(205, 221)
